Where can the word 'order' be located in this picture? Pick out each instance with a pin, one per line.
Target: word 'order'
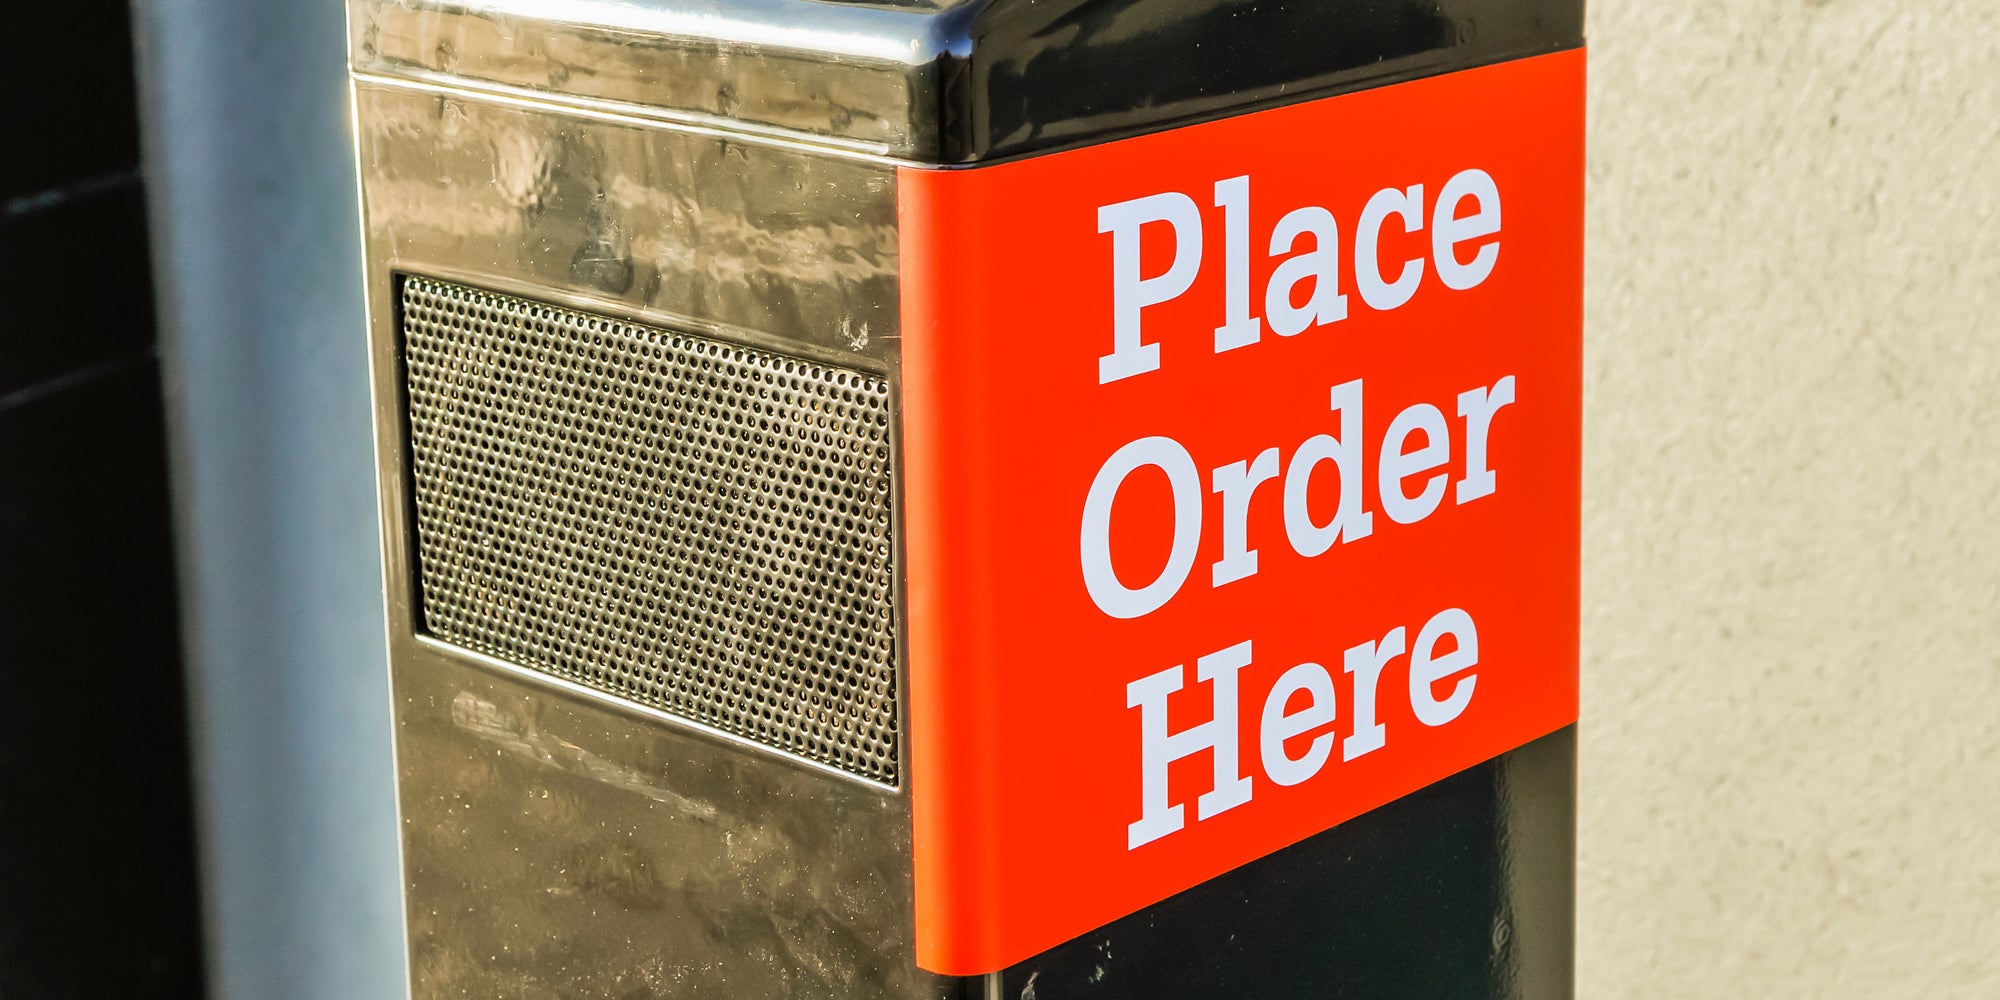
(1409, 480)
(1472, 190)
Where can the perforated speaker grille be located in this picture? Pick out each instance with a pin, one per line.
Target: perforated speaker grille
(685, 523)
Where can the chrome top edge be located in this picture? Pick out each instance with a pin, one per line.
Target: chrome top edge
(945, 82)
(633, 114)
(852, 75)
(885, 32)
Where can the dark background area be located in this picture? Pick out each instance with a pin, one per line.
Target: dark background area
(96, 827)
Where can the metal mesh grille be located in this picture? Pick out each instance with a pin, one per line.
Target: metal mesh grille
(681, 522)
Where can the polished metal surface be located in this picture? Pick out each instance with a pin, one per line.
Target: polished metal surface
(850, 75)
(941, 81)
(559, 839)
(757, 242)
(558, 847)
(695, 526)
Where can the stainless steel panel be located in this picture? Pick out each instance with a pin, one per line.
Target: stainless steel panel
(942, 81)
(854, 75)
(759, 242)
(557, 847)
(562, 841)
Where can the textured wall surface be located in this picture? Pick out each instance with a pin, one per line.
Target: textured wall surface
(1791, 743)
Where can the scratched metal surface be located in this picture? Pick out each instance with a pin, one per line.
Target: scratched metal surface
(945, 81)
(555, 847)
(558, 842)
(767, 243)
(848, 75)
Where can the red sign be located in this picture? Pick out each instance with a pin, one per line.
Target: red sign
(1242, 469)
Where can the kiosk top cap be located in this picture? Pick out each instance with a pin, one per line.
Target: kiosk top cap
(942, 81)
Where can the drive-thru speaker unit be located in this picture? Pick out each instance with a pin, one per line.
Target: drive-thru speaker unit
(934, 499)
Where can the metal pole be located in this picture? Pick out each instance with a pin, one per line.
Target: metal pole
(253, 206)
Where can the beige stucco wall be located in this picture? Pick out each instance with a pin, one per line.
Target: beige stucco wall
(1791, 706)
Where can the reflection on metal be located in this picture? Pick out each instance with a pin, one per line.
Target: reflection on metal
(726, 169)
(775, 246)
(559, 840)
(846, 74)
(559, 847)
(941, 81)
